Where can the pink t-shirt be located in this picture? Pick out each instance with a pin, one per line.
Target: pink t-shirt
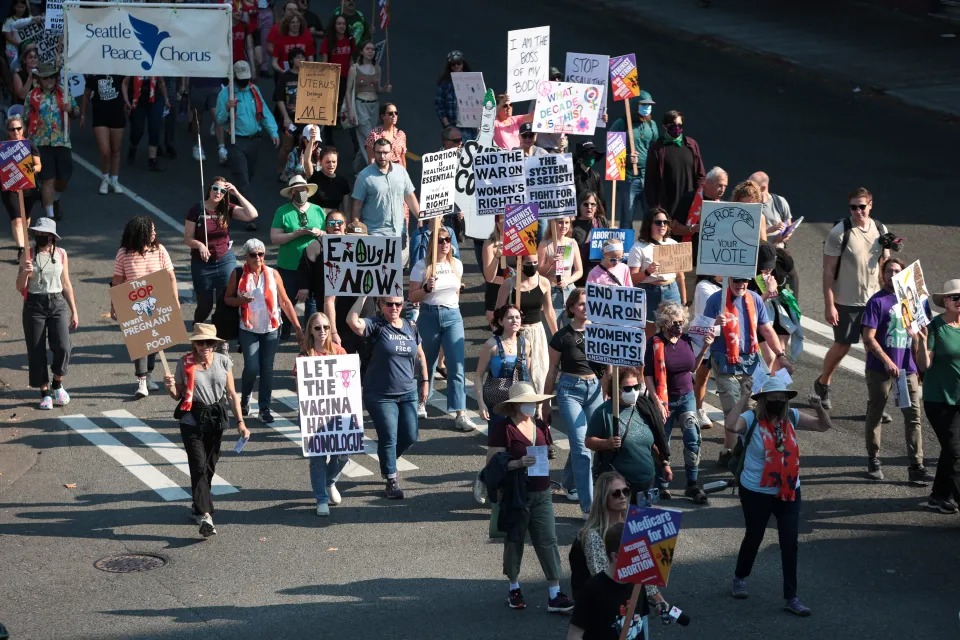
(598, 275)
(506, 133)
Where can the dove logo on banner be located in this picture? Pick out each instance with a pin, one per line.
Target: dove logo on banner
(150, 38)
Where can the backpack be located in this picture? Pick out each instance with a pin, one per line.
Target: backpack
(579, 571)
(739, 454)
(226, 318)
(847, 227)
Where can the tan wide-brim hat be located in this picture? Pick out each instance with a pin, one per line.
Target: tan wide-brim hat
(298, 181)
(950, 287)
(203, 331)
(520, 393)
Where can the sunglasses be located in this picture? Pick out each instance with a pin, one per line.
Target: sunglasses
(620, 493)
(507, 105)
(395, 305)
(589, 204)
(392, 113)
(334, 223)
(256, 254)
(614, 258)
(217, 189)
(661, 223)
(953, 298)
(856, 207)
(740, 280)
(205, 343)
(321, 327)
(527, 135)
(302, 218)
(444, 240)
(457, 140)
(14, 128)
(632, 387)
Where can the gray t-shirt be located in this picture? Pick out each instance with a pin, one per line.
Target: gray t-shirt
(382, 197)
(210, 385)
(776, 209)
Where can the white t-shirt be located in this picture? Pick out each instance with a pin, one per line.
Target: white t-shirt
(446, 291)
(641, 257)
(704, 289)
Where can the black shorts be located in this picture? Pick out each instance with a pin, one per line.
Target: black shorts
(847, 330)
(490, 293)
(57, 163)
(12, 204)
(110, 115)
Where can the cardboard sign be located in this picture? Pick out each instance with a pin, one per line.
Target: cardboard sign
(550, 184)
(49, 43)
(587, 68)
(674, 258)
(470, 90)
(618, 306)
(329, 399)
(53, 16)
(599, 236)
(357, 266)
(618, 346)
(647, 546)
(16, 166)
(520, 230)
(500, 181)
(912, 296)
(729, 239)
(563, 107)
(528, 61)
(148, 314)
(318, 84)
(623, 77)
(616, 156)
(437, 183)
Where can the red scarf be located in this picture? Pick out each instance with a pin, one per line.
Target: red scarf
(189, 378)
(248, 283)
(138, 87)
(257, 101)
(660, 370)
(780, 468)
(731, 330)
(35, 98)
(693, 215)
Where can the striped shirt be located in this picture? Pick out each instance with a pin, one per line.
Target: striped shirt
(130, 264)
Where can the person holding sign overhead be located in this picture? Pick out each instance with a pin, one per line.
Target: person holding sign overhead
(11, 202)
(506, 126)
(560, 263)
(645, 273)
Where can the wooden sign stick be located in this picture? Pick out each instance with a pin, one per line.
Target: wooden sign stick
(638, 590)
(633, 149)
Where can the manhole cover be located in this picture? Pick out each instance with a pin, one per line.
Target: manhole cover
(130, 563)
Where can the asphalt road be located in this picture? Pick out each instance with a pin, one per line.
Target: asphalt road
(872, 564)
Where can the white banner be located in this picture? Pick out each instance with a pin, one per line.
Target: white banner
(53, 16)
(331, 409)
(465, 196)
(550, 184)
(588, 68)
(470, 89)
(437, 183)
(500, 181)
(619, 306)
(142, 39)
(363, 266)
(564, 107)
(528, 61)
(729, 239)
(49, 43)
(619, 346)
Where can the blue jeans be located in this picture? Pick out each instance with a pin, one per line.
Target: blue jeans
(259, 351)
(324, 471)
(577, 399)
(659, 293)
(395, 419)
(559, 297)
(631, 203)
(292, 284)
(683, 412)
(443, 327)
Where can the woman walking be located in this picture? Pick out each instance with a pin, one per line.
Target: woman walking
(590, 216)
(645, 271)
(363, 92)
(389, 130)
(145, 106)
(103, 92)
(11, 202)
(203, 385)
(560, 263)
(49, 312)
(504, 359)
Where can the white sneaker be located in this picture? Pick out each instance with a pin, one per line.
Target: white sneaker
(222, 153)
(323, 510)
(142, 391)
(104, 186)
(198, 153)
(115, 185)
(705, 421)
(422, 410)
(151, 383)
(335, 498)
(463, 423)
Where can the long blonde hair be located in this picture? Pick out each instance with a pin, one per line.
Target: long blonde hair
(597, 519)
(548, 234)
(428, 259)
(310, 341)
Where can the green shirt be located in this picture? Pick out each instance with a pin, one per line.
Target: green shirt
(645, 133)
(942, 380)
(634, 461)
(287, 219)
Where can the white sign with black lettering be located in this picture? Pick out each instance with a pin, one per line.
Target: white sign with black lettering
(500, 180)
(550, 185)
(729, 239)
(618, 306)
(437, 183)
(329, 402)
(617, 346)
(528, 53)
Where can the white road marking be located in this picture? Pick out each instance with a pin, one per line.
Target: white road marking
(850, 364)
(823, 330)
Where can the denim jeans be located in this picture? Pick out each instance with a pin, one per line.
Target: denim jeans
(577, 399)
(395, 419)
(259, 351)
(443, 326)
(324, 471)
(631, 203)
(559, 299)
(144, 366)
(757, 509)
(683, 413)
(659, 293)
(292, 284)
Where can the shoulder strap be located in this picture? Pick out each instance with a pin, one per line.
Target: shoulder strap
(500, 352)
(778, 204)
(847, 227)
(610, 273)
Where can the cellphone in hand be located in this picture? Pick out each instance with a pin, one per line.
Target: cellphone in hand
(241, 443)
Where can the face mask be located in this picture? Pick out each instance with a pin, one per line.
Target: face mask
(629, 397)
(674, 131)
(674, 331)
(300, 197)
(529, 270)
(776, 408)
(42, 241)
(590, 162)
(645, 109)
(243, 83)
(528, 409)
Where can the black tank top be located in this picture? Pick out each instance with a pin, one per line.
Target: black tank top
(531, 303)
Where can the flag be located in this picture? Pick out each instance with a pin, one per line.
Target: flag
(384, 10)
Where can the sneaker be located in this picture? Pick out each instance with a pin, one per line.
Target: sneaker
(885, 418)
(393, 490)
(142, 391)
(738, 588)
(422, 410)
(560, 604)
(115, 185)
(919, 475)
(206, 526)
(323, 510)
(46, 403)
(104, 186)
(195, 517)
(823, 391)
(724, 458)
(665, 494)
(266, 416)
(222, 154)
(704, 419)
(874, 472)
(463, 423)
(152, 384)
(572, 495)
(941, 506)
(793, 605)
(334, 494)
(515, 599)
(198, 153)
(695, 493)
(60, 397)
(245, 408)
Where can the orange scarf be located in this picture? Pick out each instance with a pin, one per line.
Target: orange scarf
(35, 98)
(189, 378)
(731, 330)
(660, 370)
(138, 87)
(780, 468)
(248, 283)
(693, 215)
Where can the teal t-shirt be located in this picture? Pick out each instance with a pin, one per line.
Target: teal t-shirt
(634, 461)
(942, 380)
(288, 220)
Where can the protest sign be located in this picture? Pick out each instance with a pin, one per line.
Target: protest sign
(729, 239)
(49, 43)
(53, 16)
(616, 156)
(623, 77)
(500, 181)
(16, 166)
(470, 90)
(587, 68)
(599, 236)
(357, 266)
(77, 84)
(912, 297)
(437, 183)
(520, 230)
(329, 399)
(465, 194)
(619, 306)
(318, 84)
(563, 107)
(674, 258)
(618, 346)
(487, 119)
(647, 546)
(134, 39)
(148, 314)
(550, 184)
(379, 49)
(528, 61)
(703, 326)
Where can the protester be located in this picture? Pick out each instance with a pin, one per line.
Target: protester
(937, 348)
(674, 166)
(445, 98)
(776, 212)
(645, 271)
(306, 154)
(706, 287)
(292, 34)
(590, 215)
(748, 192)
(203, 387)
(11, 202)
(528, 142)
(211, 260)
(25, 79)
(506, 126)
(560, 263)
(49, 312)
(611, 270)
(669, 362)
(521, 429)
(586, 178)
(435, 286)
(495, 269)
(392, 394)
(19, 17)
(503, 360)
(324, 470)
(852, 258)
(312, 20)
(109, 121)
(770, 481)
(631, 200)
(285, 101)
(169, 116)
(46, 110)
(686, 221)
(145, 98)
(389, 131)
(259, 293)
(338, 47)
(333, 190)
(356, 25)
(203, 100)
(363, 92)
(577, 384)
(773, 267)
(140, 255)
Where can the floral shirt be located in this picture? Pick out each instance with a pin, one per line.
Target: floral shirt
(49, 131)
(398, 146)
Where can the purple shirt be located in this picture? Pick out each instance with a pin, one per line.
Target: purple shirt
(679, 359)
(883, 314)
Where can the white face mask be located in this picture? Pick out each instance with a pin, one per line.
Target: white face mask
(629, 397)
(528, 409)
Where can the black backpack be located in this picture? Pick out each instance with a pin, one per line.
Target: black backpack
(847, 227)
